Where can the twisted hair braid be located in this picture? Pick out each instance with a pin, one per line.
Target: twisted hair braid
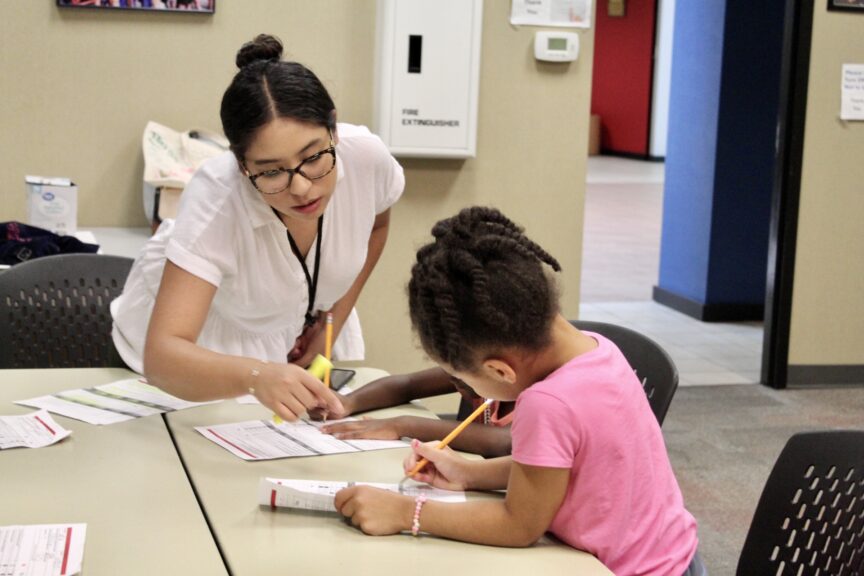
(480, 285)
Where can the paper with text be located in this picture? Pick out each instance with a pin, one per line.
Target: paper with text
(560, 13)
(319, 494)
(42, 549)
(111, 403)
(263, 440)
(852, 92)
(33, 430)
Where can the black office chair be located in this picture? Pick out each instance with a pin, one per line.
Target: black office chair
(653, 366)
(810, 517)
(54, 311)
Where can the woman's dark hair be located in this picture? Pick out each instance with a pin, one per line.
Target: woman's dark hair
(480, 285)
(266, 88)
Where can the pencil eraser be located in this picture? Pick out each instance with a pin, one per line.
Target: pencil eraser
(319, 366)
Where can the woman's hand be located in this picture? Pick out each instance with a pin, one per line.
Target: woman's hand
(375, 511)
(290, 391)
(323, 413)
(444, 469)
(370, 428)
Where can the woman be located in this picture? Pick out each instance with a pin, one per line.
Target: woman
(286, 226)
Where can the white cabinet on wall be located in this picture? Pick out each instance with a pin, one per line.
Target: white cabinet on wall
(427, 76)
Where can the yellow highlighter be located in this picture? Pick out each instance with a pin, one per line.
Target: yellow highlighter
(320, 366)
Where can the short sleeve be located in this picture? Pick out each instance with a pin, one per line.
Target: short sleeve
(389, 176)
(203, 238)
(544, 431)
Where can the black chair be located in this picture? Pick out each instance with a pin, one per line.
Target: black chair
(54, 311)
(810, 517)
(653, 365)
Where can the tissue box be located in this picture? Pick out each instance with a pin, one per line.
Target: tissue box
(52, 203)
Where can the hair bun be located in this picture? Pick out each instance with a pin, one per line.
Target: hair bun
(263, 47)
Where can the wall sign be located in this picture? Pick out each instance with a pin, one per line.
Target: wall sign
(848, 5)
(183, 6)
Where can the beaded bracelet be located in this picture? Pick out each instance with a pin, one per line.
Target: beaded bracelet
(418, 505)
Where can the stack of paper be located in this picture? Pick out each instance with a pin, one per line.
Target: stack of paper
(319, 494)
(111, 403)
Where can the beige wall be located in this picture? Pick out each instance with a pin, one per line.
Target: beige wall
(828, 294)
(79, 86)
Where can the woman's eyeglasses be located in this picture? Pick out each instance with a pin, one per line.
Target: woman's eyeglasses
(278, 180)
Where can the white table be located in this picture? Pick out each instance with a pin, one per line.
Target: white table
(257, 540)
(125, 481)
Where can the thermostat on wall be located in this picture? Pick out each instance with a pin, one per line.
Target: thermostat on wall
(556, 46)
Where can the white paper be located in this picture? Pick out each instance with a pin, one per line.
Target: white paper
(110, 403)
(42, 549)
(263, 440)
(33, 430)
(319, 494)
(561, 13)
(852, 92)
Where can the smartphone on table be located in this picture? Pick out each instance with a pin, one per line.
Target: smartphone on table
(339, 377)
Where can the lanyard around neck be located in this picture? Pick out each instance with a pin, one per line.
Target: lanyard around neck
(311, 281)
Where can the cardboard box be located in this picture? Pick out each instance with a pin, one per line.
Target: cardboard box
(594, 135)
(52, 203)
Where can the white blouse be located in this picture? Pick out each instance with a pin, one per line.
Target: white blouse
(227, 235)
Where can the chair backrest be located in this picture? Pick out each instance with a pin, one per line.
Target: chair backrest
(653, 365)
(810, 517)
(54, 311)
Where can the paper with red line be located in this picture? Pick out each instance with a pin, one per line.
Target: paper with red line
(264, 440)
(42, 549)
(319, 494)
(34, 430)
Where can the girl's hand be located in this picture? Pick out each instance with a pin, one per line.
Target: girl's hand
(444, 469)
(290, 391)
(376, 512)
(371, 428)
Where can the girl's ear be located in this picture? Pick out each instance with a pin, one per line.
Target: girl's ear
(499, 370)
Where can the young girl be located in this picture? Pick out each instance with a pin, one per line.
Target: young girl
(589, 464)
(489, 437)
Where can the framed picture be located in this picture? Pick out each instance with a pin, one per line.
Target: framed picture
(847, 5)
(185, 6)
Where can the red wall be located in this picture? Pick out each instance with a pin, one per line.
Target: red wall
(621, 88)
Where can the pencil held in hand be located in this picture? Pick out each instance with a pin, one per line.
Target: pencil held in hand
(318, 368)
(328, 346)
(449, 438)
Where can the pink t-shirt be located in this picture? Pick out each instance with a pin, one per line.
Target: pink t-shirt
(623, 503)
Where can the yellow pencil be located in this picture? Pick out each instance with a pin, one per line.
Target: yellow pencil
(449, 438)
(328, 346)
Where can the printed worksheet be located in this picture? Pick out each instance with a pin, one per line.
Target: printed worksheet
(33, 430)
(319, 494)
(111, 403)
(264, 440)
(42, 549)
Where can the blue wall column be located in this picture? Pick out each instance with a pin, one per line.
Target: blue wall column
(720, 158)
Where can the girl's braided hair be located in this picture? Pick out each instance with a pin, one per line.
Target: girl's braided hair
(480, 285)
